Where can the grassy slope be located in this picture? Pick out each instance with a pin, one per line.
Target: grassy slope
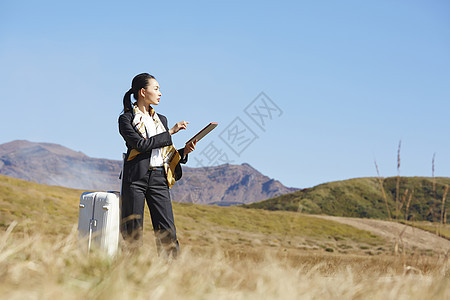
(54, 210)
(363, 198)
(40, 258)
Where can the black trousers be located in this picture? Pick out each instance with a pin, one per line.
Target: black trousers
(152, 187)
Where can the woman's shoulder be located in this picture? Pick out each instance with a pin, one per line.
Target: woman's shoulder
(127, 115)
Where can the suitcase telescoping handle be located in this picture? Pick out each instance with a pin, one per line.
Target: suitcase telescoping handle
(92, 223)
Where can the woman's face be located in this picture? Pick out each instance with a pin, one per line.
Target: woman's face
(151, 94)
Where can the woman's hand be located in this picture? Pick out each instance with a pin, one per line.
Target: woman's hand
(190, 147)
(178, 127)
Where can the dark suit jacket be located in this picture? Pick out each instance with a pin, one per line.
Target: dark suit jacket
(136, 168)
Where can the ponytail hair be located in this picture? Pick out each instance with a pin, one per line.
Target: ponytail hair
(127, 100)
(139, 82)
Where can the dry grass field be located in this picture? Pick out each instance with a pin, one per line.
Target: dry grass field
(227, 253)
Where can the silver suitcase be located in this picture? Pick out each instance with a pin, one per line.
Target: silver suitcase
(98, 221)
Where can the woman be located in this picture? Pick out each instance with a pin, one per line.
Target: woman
(152, 165)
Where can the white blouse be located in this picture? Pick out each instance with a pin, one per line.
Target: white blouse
(156, 159)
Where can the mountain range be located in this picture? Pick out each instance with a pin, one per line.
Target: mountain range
(54, 164)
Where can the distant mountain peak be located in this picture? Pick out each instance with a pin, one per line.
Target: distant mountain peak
(54, 164)
(18, 145)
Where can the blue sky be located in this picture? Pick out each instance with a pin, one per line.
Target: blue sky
(350, 79)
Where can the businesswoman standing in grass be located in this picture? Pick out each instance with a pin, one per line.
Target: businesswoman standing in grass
(151, 167)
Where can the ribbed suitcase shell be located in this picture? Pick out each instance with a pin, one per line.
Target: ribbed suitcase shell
(98, 222)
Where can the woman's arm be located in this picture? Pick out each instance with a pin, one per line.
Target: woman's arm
(186, 150)
(184, 157)
(136, 141)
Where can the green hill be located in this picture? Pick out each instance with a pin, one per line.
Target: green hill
(363, 198)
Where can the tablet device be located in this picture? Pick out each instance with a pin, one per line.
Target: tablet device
(203, 132)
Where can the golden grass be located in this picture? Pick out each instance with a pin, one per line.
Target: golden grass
(436, 228)
(227, 253)
(34, 266)
(380, 182)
